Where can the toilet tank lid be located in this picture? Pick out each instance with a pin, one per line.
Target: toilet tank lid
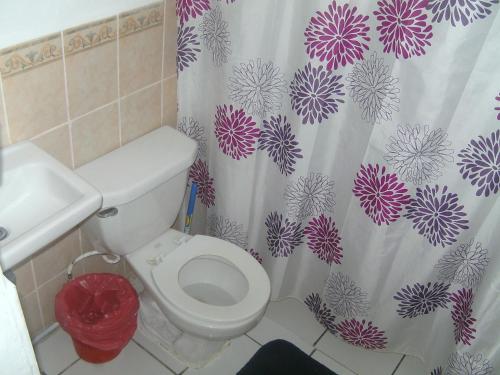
(139, 166)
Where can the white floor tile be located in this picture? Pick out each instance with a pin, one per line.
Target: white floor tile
(294, 316)
(159, 353)
(361, 361)
(331, 364)
(232, 359)
(55, 353)
(411, 366)
(131, 361)
(268, 330)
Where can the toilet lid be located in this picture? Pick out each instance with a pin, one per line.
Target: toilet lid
(166, 279)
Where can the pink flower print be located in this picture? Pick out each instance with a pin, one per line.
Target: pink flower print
(403, 28)
(324, 239)
(381, 194)
(338, 35)
(362, 333)
(462, 316)
(236, 132)
(191, 8)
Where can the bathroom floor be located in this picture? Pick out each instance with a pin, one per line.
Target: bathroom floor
(288, 319)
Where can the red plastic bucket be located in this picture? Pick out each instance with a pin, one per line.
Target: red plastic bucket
(99, 311)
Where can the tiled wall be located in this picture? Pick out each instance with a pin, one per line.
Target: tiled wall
(80, 94)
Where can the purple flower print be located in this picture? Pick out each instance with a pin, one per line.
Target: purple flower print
(421, 299)
(324, 239)
(279, 142)
(437, 215)
(362, 333)
(315, 93)
(461, 314)
(480, 163)
(199, 174)
(403, 28)
(381, 194)
(256, 255)
(468, 364)
(191, 8)
(321, 312)
(187, 49)
(460, 11)
(283, 236)
(235, 131)
(338, 35)
(497, 98)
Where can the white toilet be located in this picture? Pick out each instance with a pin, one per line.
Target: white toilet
(199, 291)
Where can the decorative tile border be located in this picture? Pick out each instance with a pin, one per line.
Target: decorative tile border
(141, 19)
(90, 35)
(26, 56)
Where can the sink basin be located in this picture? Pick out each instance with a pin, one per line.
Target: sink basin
(40, 199)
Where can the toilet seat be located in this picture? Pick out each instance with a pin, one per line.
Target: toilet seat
(166, 280)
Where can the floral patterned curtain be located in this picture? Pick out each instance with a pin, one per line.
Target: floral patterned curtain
(353, 148)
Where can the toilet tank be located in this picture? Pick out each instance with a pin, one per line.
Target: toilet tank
(142, 186)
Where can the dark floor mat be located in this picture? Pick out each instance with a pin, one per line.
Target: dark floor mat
(279, 357)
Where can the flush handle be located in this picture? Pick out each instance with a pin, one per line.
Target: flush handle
(107, 212)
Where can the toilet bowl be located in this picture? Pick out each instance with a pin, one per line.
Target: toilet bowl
(211, 288)
(200, 291)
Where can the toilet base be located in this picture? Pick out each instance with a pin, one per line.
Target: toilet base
(194, 351)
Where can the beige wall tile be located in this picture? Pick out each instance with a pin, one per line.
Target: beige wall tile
(4, 139)
(169, 67)
(57, 257)
(140, 59)
(170, 102)
(91, 72)
(25, 283)
(141, 113)
(35, 100)
(95, 134)
(98, 265)
(47, 293)
(57, 143)
(31, 313)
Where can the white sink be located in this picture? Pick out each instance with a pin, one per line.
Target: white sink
(40, 199)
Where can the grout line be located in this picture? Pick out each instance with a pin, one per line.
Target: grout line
(320, 337)
(66, 97)
(45, 132)
(313, 351)
(53, 278)
(142, 89)
(255, 341)
(67, 368)
(399, 364)
(80, 243)
(118, 80)
(94, 110)
(162, 63)
(6, 118)
(152, 355)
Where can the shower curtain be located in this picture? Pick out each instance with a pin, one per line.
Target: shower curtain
(353, 148)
